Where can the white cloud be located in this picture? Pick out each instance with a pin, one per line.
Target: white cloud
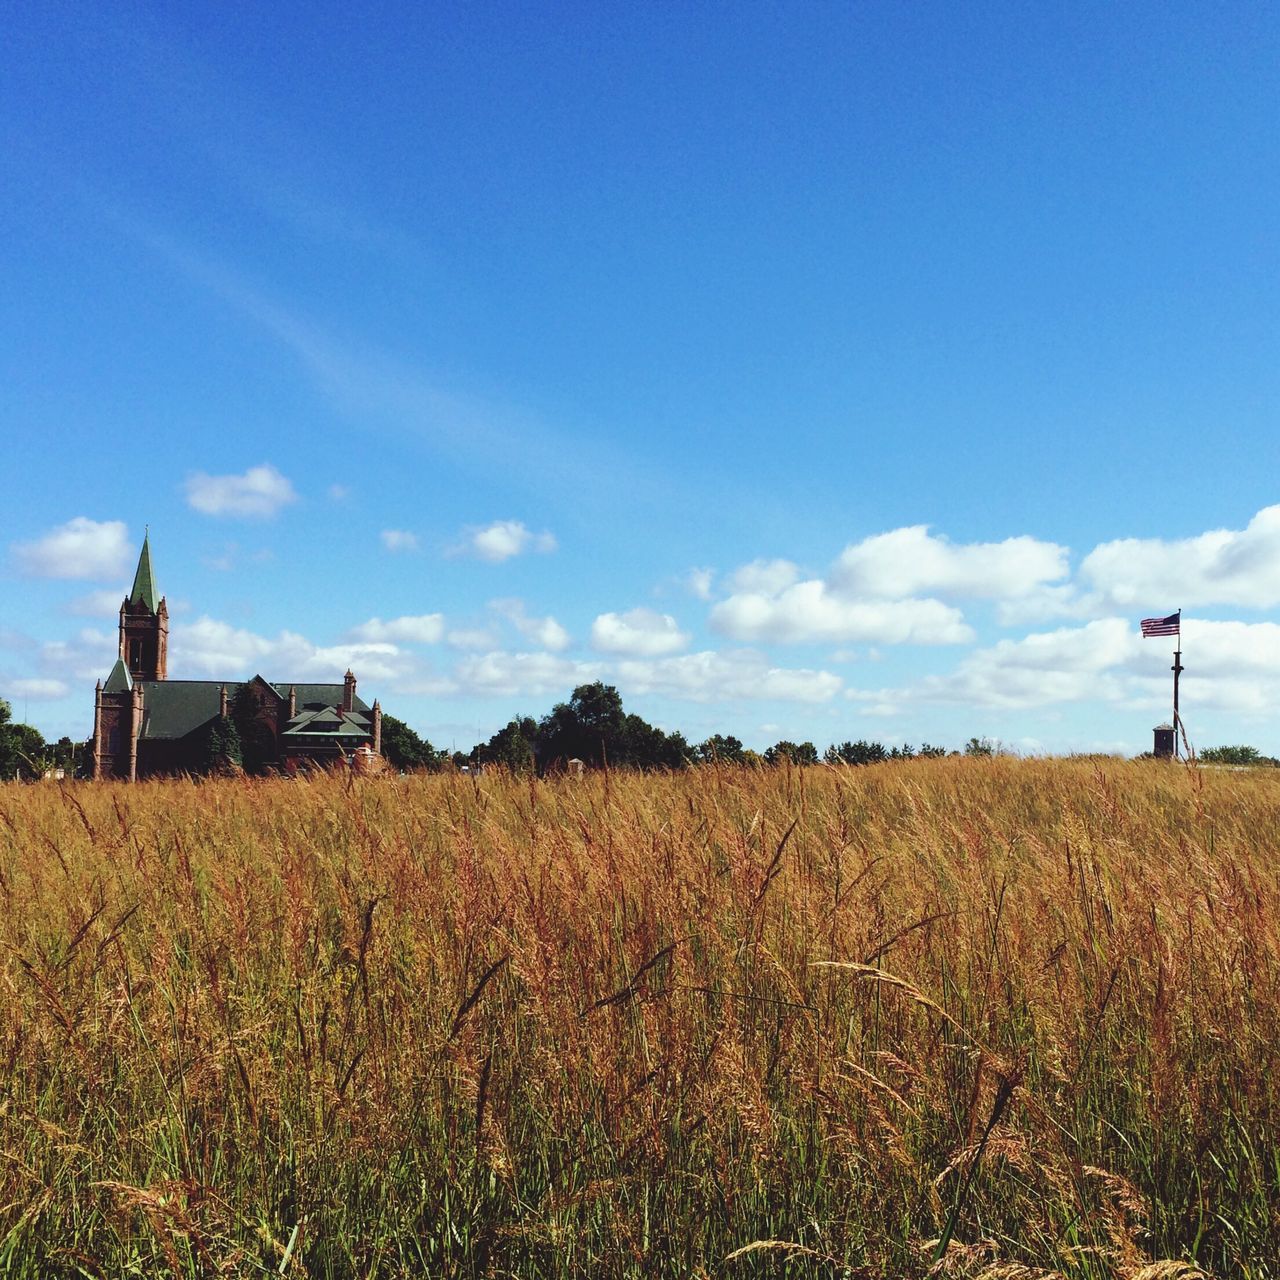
(764, 577)
(911, 562)
(81, 548)
(891, 588)
(98, 604)
(810, 611)
(502, 540)
(638, 632)
(425, 628)
(496, 673)
(259, 494)
(546, 632)
(1235, 667)
(712, 676)
(37, 689)
(1223, 566)
(217, 649)
(399, 540)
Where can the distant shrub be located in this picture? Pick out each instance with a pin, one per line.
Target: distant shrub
(1235, 755)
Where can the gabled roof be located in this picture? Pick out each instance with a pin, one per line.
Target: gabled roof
(144, 583)
(119, 681)
(331, 729)
(175, 708)
(328, 722)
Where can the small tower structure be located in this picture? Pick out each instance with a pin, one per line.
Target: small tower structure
(144, 624)
(117, 721)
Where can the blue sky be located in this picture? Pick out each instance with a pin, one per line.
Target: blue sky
(825, 372)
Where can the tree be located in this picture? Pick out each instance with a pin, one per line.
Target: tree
(721, 749)
(404, 749)
(795, 752)
(929, 752)
(21, 747)
(648, 747)
(979, 747)
(860, 752)
(1233, 755)
(257, 742)
(590, 727)
(221, 750)
(512, 746)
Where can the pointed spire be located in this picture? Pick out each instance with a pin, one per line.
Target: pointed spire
(144, 583)
(119, 681)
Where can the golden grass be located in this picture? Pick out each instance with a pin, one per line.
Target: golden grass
(961, 1017)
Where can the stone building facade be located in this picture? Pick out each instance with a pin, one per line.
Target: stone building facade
(145, 724)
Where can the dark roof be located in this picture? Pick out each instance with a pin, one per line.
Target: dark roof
(315, 696)
(175, 708)
(144, 582)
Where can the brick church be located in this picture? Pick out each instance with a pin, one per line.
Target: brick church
(145, 724)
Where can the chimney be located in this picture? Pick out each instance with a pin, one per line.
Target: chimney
(293, 701)
(348, 691)
(377, 727)
(222, 702)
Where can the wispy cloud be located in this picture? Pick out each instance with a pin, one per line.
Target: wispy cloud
(385, 393)
(98, 604)
(397, 540)
(544, 631)
(38, 689)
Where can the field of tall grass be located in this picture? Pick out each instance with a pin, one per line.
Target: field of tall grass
(995, 1018)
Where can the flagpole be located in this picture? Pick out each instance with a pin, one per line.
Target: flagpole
(1177, 671)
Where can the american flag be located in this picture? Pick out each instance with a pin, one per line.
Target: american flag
(1170, 626)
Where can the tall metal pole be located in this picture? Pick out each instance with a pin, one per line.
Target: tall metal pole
(1177, 671)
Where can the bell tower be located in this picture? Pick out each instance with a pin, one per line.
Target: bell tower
(144, 624)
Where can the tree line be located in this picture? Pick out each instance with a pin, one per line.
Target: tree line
(592, 726)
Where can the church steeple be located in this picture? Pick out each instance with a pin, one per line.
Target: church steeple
(144, 623)
(144, 583)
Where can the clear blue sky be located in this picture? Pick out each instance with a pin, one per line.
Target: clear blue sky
(489, 348)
